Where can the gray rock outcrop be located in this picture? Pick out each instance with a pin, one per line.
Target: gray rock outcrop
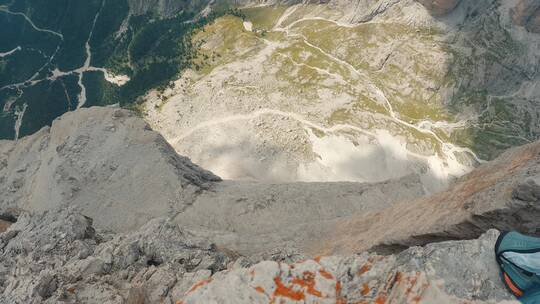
(58, 256)
(502, 194)
(100, 209)
(166, 8)
(109, 163)
(106, 161)
(451, 272)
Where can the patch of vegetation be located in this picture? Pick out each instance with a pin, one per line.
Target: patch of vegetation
(99, 92)
(222, 41)
(159, 51)
(16, 31)
(265, 17)
(7, 119)
(40, 110)
(11, 71)
(150, 49)
(108, 37)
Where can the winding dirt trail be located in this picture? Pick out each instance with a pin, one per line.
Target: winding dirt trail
(272, 112)
(18, 48)
(86, 67)
(449, 150)
(7, 11)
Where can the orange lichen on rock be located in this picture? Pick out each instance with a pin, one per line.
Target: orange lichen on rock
(287, 292)
(339, 298)
(300, 286)
(365, 268)
(365, 289)
(326, 274)
(410, 287)
(381, 299)
(398, 277)
(199, 284)
(259, 289)
(412, 283)
(308, 282)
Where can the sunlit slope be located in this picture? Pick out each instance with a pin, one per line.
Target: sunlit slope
(289, 93)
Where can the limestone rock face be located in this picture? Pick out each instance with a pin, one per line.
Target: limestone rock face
(58, 256)
(117, 171)
(165, 8)
(228, 241)
(439, 7)
(502, 194)
(106, 161)
(432, 274)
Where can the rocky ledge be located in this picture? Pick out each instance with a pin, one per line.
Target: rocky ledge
(59, 257)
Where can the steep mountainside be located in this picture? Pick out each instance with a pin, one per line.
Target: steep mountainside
(356, 90)
(106, 161)
(426, 87)
(110, 165)
(358, 151)
(440, 7)
(124, 218)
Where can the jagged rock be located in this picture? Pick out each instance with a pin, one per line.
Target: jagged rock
(270, 221)
(103, 168)
(46, 286)
(278, 220)
(528, 191)
(43, 261)
(59, 255)
(170, 267)
(450, 272)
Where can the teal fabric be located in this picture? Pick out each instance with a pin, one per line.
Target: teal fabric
(518, 256)
(527, 261)
(531, 296)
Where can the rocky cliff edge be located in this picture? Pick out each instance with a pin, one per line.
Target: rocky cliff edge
(100, 209)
